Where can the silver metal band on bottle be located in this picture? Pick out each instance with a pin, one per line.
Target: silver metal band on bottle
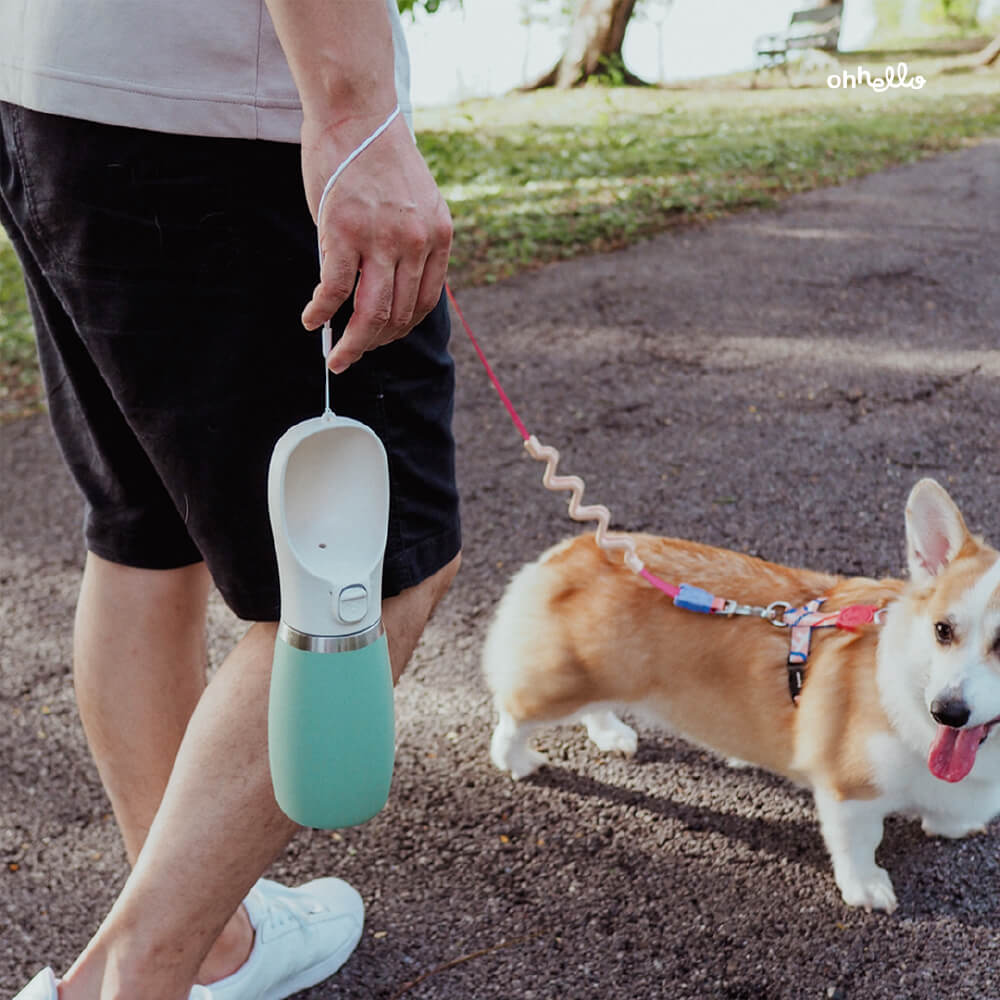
(331, 643)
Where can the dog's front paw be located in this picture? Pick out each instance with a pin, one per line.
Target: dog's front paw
(871, 890)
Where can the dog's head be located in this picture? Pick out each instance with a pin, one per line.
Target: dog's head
(955, 594)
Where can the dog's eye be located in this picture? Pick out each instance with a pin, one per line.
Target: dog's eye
(943, 632)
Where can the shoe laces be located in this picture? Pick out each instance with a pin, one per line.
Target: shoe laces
(280, 912)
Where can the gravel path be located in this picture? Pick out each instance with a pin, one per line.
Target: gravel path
(772, 382)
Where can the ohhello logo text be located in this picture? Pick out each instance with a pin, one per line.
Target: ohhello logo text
(893, 78)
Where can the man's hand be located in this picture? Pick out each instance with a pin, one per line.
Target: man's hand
(385, 219)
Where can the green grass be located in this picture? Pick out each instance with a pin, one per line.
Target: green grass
(18, 373)
(538, 177)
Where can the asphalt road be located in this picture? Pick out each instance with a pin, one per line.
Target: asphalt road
(773, 382)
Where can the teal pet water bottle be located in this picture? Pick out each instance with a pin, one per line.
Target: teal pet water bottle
(331, 734)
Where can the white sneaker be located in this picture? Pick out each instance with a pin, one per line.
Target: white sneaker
(45, 986)
(42, 987)
(301, 937)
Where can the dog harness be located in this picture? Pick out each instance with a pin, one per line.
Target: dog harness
(800, 623)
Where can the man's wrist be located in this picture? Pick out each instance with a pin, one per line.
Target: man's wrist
(338, 138)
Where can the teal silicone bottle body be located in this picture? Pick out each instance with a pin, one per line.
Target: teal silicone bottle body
(331, 734)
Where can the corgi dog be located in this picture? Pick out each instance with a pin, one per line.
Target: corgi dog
(892, 715)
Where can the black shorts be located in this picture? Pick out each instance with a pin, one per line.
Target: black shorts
(166, 275)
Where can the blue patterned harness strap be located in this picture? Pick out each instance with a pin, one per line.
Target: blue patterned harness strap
(801, 622)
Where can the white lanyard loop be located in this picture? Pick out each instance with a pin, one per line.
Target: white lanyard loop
(327, 336)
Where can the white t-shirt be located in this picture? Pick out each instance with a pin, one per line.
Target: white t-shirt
(186, 66)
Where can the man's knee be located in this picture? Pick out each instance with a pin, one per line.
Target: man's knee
(188, 584)
(443, 577)
(426, 594)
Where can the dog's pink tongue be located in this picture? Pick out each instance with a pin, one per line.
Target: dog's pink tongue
(953, 752)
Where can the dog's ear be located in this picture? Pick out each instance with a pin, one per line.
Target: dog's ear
(935, 530)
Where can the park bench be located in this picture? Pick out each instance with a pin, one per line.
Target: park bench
(817, 28)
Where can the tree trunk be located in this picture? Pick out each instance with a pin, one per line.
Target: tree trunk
(595, 40)
(989, 55)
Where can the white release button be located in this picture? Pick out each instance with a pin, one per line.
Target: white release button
(352, 604)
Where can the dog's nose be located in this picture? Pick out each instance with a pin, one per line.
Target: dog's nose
(950, 712)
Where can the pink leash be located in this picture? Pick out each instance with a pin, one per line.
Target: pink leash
(778, 613)
(574, 485)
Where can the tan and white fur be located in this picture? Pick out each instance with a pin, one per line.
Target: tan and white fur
(577, 634)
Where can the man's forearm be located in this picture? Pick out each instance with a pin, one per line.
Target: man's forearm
(385, 231)
(341, 56)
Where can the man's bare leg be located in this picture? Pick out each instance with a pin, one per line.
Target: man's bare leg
(139, 662)
(179, 917)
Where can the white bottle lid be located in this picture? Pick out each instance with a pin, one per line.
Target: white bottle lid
(328, 496)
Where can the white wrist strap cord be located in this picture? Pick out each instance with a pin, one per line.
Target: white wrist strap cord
(327, 339)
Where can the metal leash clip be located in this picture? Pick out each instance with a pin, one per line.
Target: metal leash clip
(770, 613)
(731, 608)
(775, 613)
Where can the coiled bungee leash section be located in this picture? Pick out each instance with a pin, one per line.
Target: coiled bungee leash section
(684, 595)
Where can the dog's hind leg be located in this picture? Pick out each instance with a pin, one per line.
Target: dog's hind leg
(509, 748)
(609, 732)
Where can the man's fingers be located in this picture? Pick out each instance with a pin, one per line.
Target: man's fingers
(406, 290)
(337, 277)
(373, 302)
(435, 272)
